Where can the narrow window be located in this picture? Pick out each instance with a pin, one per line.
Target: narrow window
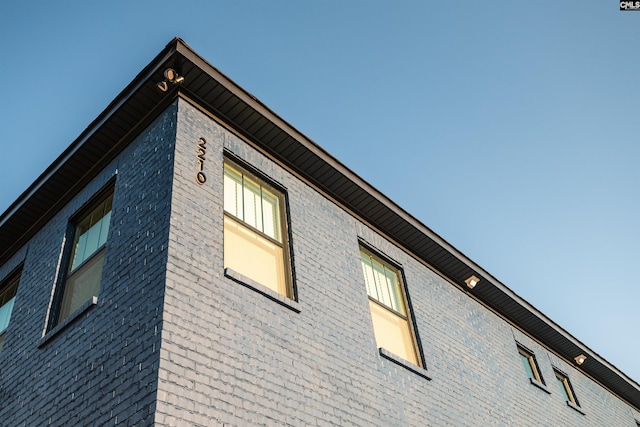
(565, 388)
(8, 291)
(530, 365)
(84, 271)
(255, 237)
(392, 323)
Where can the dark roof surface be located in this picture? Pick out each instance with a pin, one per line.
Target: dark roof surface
(205, 86)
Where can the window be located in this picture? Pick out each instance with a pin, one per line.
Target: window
(86, 258)
(255, 237)
(392, 323)
(8, 291)
(530, 365)
(565, 387)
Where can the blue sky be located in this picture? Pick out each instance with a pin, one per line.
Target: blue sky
(510, 128)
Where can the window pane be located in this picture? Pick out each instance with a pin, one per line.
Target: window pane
(93, 238)
(254, 256)
(563, 383)
(82, 285)
(104, 229)
(392, 333)
(271, 215)
(248, 200)
(91, 233)
(382, 283)
(232, 192)
(5, 314)
(369, 279)
(526, 363)
(7, 298)
(79, 251)
(252, 205)
(10, 290)
(393, 285)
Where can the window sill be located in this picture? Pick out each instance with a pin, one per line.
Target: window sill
(261, 289)
(540, 385)
(575, 407)
(66, 322)
(404, 363)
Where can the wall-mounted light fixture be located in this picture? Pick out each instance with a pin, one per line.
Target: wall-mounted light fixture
(580, 359)
(171, 76)
(472, 282)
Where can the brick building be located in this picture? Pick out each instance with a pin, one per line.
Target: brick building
(192, 259)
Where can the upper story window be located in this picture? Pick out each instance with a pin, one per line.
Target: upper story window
(8, 291)
(530, 365)
(255, 236)
(84, 271)
(392, 323)
(565, 387)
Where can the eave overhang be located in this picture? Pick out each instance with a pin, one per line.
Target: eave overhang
(141, 101)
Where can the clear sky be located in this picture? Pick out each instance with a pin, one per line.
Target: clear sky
(510, 128)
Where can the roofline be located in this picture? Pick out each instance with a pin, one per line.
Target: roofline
(183, 48)
(86, 134)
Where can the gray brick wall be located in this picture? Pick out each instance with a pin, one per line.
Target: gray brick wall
(230, 356)
(174, 341)
(102, 368)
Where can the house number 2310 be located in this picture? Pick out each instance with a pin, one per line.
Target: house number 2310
(202, 150)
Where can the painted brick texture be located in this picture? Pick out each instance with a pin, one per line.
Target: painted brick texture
(173, 341)
(102, 368)
(230, 356)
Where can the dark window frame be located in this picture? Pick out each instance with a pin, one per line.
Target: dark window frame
(54, 320)
(284, 217)
(11, 281)
(537, 379)
(364, 246)
(564, 381)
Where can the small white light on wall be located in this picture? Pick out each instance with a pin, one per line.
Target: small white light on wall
(580, 359)
(472, 282)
